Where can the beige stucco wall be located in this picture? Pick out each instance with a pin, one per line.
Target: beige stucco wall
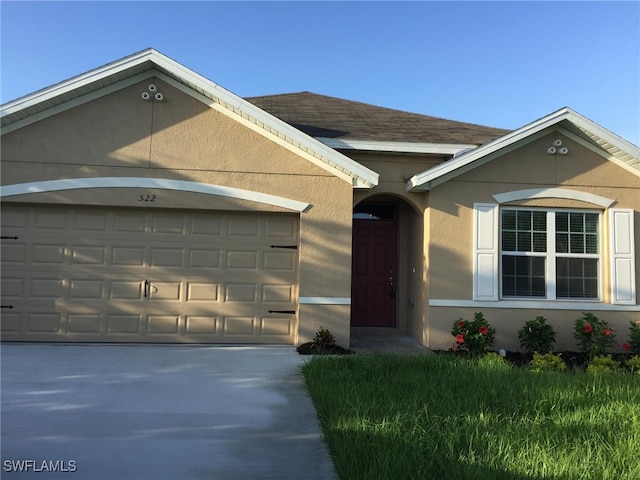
(450, 224)
(120, 135)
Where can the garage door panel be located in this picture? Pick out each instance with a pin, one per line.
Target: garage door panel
(84, 323)
(273, 293)
(199, 258)
(44, 322)
(47, 254)
(45, 288)
(79, 274)
(166, 257)
(159, 291)
(10, 322)
(122, 324)
(275, 326)
(125, 290)
(202, 292)
(201, 325)
(127, 256)
(163, 324)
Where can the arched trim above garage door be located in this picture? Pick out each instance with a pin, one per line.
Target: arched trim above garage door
(161, 183)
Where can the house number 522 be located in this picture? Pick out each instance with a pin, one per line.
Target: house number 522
(147, 198)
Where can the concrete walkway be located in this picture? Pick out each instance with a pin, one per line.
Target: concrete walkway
(158, 412)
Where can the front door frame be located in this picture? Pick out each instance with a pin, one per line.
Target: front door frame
(364, 312)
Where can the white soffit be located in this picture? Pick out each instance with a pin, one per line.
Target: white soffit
(609, 145)
(396, 147)
(103, 80)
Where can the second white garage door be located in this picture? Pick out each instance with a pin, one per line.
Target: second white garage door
(129, 275)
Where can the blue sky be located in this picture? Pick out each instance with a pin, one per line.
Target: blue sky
(502, 64)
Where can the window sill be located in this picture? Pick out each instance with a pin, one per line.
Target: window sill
(535, 305)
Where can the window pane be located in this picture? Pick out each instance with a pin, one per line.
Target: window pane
(509, 241)
(562, 222)
(576, 222)
(591, 243)
(523, 276)
(576, 243)
(524, 241)
(562, 242)
(524, 220)
(540, 221)
(577, 278)
(591, 222)
(508, 220)
(539, 242)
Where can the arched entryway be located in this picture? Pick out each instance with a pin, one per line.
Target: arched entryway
(387, 262)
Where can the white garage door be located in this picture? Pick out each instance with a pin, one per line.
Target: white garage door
(129, 275)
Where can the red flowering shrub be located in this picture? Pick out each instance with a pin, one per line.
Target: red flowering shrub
(594, 336)
(474, 337)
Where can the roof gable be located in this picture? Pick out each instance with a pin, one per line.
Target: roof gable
(147, 63)
(569, 122)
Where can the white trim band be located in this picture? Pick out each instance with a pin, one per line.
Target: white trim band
(160, 183)
(553, 193)
(324, 300)
(535, 304)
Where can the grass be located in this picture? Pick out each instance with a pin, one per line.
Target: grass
(446, 417)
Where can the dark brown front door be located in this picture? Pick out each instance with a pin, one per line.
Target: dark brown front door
(373, 282)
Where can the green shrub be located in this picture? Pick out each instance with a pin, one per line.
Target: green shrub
(633, 345)
(602, 364)
(474, 337)
(537, 336)
(324, 339)
(493, 361)
(633, 364)
(594, 336)
(547, 362)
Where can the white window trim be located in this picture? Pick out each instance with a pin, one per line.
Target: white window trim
(622, 281)
(551, 255)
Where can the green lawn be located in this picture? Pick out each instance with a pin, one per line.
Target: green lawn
(445, 417)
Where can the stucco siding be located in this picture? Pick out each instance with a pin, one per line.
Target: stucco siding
(181, 139)
(450, 235)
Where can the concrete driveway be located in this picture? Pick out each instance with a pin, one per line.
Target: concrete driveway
(158, 412)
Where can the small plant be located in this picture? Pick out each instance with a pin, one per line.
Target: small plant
(602, 364)
(547, 362)
(594, 336)
(324, 339)
(633, 345)
(537, 336)
(633, 364)
(474, 337)
(493, 361)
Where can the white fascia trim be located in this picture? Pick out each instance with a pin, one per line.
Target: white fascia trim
(159, 183)
(75, 102)
(76, 82)
(399, 147)
(537, 305)
(325, 300)
(531, 193)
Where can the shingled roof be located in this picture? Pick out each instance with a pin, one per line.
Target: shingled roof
(330, 117)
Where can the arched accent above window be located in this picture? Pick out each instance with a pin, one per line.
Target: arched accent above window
(531, 193)
(160, 183)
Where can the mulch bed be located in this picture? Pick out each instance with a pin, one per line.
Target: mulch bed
(311, 348)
